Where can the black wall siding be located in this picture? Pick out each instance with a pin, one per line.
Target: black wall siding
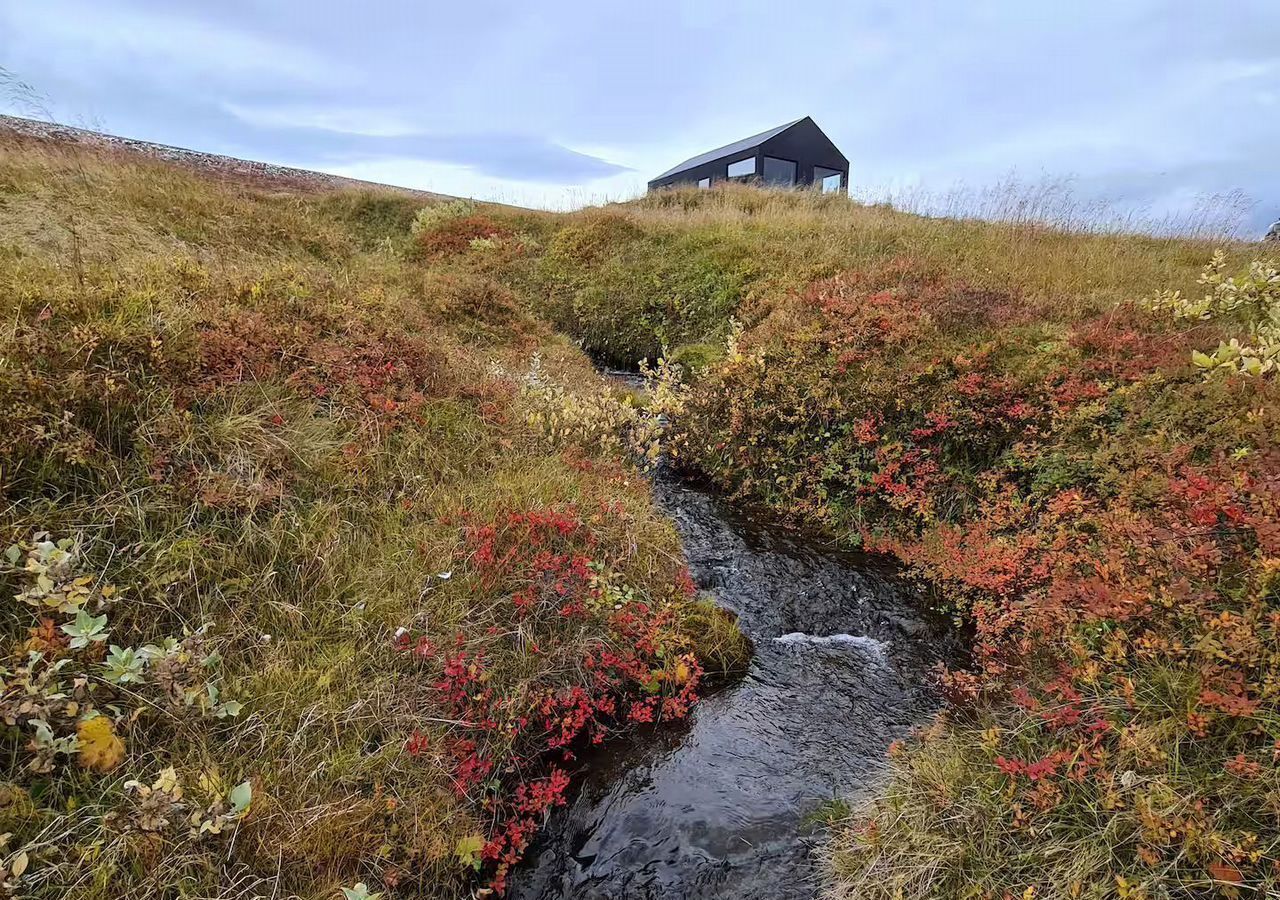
(804, 143)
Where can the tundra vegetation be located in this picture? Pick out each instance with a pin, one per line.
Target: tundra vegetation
(314, 581)
(1073, 439)
(328, 551)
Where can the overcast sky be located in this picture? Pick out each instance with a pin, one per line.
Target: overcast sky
(1145, 103)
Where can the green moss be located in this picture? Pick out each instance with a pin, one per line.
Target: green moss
(697, 358)
(375, 217)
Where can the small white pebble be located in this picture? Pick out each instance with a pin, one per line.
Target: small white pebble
(401, 632)
(266, 639)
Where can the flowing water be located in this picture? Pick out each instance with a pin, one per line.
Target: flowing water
(723, 806)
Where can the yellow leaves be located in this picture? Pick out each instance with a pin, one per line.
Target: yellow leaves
(468, 850)
(156, 807)
(676, 674)
(1116, 649)
(19, 864)
(211, 783)
(223, 808)
(66, 597)
(100, 748)
(168, 783)
(1127, 889)
(52, 583)
(1269, 575)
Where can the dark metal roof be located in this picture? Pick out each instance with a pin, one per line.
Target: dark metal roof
(736, 147)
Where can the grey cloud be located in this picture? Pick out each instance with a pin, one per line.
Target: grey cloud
(518, 157)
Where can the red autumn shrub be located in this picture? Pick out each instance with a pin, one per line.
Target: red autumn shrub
(454, 236)
(597, 658)
(1106, 518)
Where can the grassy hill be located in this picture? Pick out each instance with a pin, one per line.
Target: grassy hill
(329, 549)
(317, 580)
(1079, 461)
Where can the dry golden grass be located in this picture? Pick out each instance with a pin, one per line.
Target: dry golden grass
(306, 526)
(803, 235)
(649, 276)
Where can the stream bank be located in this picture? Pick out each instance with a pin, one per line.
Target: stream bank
(724, 806)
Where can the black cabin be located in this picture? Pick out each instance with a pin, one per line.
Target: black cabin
(797, 154)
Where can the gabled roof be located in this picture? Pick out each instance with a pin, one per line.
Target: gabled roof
(736, 147)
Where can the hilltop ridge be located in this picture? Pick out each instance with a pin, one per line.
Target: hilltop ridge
(209, 164)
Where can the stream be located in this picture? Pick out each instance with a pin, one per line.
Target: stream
(723, 806)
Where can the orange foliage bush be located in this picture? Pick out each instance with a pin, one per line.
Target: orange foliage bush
(1107, 519)
(455, 235)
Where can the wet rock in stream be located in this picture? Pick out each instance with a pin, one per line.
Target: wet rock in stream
(722, 807)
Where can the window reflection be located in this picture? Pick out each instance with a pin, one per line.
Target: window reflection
(779, 172)
(828, 179)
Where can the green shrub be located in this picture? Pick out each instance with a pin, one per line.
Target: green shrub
(376, 217)
(629, 294)
(697, 358)
(428, 218)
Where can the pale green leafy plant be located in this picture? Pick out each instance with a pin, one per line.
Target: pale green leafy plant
(35, 698)
(593, 419)
(223, 813)
(50, 570)
(124, 666)
(86, 629)
(49, 693)
(47, 746)
(1253, 298)
(470, 851)
(665, 382)
(152, 652)
(222, 709)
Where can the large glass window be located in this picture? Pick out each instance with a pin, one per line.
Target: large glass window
(828, 179)
(779, 172)
(742, 168)
(704, 182)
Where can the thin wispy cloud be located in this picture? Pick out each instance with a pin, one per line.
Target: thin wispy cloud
(369, 121)
(347, 138)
